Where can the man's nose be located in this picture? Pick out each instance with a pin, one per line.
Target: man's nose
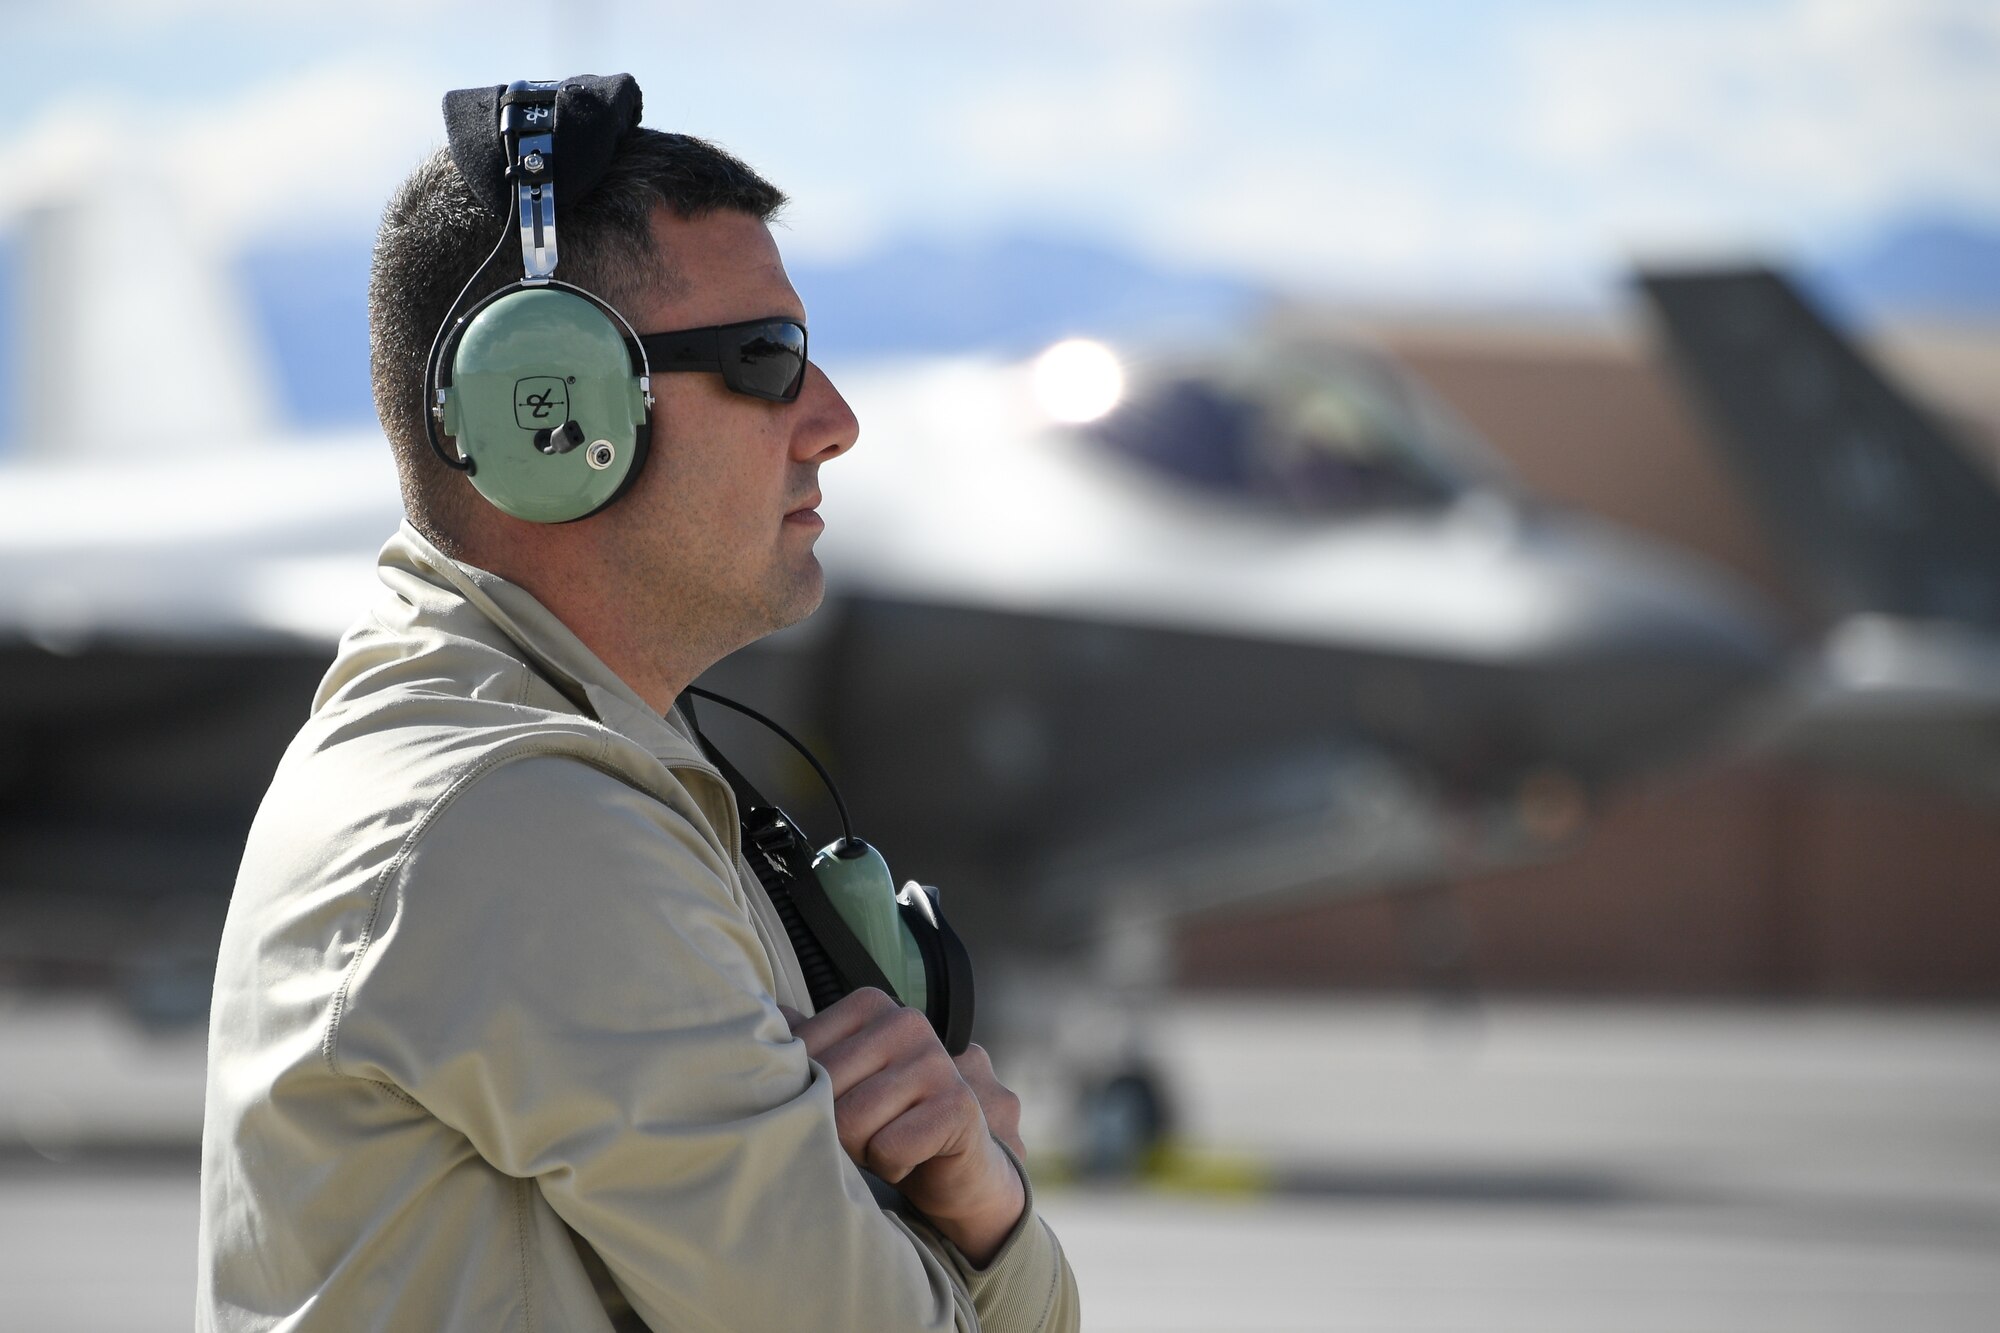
(830, 428)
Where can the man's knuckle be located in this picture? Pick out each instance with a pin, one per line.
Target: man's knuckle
(878, 1162)
(871, 1000)
(887, 1156)
(912, 1027)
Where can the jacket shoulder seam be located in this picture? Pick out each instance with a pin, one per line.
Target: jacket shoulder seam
(593, 756)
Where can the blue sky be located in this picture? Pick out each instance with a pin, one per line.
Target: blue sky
(1181, 153)
(1436, 151)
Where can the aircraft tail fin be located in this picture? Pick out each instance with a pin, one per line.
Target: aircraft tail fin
(133, 342)
(1877, 508)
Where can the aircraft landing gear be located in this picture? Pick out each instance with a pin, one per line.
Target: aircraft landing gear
(1124, 1120)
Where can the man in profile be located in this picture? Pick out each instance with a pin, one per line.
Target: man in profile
(505, 1034)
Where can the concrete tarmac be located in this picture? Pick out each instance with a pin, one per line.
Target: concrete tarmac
(1341, 1164)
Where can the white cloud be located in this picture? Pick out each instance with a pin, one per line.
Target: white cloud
(1778, 118)
(317, 151)
(1310, 143)
(1581, 137)
(1376, 229)
(1033, 123)
(162, 13)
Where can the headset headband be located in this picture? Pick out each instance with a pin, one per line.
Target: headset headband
(527, 132)
(594, 110)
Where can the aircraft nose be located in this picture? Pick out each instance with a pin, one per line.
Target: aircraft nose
(1656, 651)
(1632, 602)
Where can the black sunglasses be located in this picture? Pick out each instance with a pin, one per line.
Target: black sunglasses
(765, 358)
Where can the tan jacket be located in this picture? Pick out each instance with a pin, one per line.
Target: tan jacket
(495, 1042)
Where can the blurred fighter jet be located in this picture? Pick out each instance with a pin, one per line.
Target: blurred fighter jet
(1273, 624)
(1886, 520)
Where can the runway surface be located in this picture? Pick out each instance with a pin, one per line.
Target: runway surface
(1343, 1165)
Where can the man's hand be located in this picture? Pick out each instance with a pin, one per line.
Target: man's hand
(997, 1101)
(920, 1120)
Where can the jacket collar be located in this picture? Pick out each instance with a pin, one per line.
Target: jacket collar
(548, 646)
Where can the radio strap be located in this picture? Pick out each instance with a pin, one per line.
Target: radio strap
(832, 959)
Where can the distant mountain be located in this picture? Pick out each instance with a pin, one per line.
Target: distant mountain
(1921, 267)
(1010, 295)
(10, 343)
(311, 299)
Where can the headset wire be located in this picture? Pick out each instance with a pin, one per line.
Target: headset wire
(431, 431)
(846, 829)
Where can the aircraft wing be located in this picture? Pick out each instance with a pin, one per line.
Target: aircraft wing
(270, 546)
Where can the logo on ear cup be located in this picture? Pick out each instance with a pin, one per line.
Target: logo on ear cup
(540, 401)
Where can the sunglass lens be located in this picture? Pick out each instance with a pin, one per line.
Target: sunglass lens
(769, 361)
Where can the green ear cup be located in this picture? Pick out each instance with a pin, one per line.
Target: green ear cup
(544, 402)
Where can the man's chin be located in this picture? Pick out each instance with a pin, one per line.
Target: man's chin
(806, 592)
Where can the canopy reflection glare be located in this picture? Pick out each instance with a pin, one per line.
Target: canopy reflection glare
(1078, 380)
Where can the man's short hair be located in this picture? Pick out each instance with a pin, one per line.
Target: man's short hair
(435, 235)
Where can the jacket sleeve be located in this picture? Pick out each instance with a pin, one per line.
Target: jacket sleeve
(564, 970)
